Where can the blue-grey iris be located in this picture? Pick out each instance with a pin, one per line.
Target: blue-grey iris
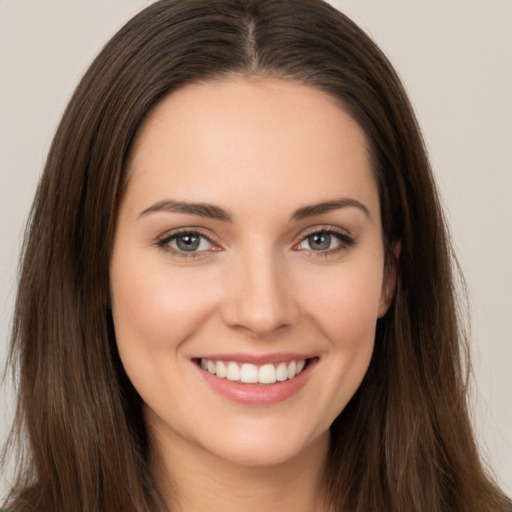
(188, 242)
(319, 241)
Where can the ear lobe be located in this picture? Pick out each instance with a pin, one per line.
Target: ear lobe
(389, 279)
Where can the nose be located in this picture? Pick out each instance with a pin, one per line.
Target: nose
(258, 296)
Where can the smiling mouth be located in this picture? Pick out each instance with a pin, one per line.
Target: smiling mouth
(249, 373)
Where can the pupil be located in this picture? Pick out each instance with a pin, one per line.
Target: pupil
(319, 241)
(188, 242)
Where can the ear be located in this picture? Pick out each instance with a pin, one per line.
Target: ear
(389, 279)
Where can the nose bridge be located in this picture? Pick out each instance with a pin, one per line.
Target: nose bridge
(258, 295)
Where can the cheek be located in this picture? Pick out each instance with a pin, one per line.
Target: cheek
(155, 312)
(154, 309)
(346, 305)
(342, 305)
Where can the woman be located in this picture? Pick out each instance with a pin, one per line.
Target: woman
(237, 286)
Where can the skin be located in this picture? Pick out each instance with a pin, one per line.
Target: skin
(260, 149)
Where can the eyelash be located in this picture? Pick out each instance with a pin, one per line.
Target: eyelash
(346, 241)
(164, 241)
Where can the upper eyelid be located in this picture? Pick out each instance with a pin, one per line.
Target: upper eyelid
(169, 235)
(321, 229)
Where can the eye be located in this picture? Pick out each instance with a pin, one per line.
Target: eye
(325, 241)
(319, 241)
(186, 242)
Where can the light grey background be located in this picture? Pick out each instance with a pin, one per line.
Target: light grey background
(455, 57)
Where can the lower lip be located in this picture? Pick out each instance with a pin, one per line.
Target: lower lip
(258, 394)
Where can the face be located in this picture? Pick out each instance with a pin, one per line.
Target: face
(247, 273)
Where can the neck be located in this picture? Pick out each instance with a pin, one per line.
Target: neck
(191, 479)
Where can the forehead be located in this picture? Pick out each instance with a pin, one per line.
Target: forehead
(262, 139)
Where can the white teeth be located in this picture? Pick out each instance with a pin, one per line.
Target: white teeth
(252, 374)
(211, 367)
(267, 374)
(281, 372)
(222, 371)
(249, 373)
(233, 372)
(291, 369)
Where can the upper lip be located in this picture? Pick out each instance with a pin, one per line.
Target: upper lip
(257, 359)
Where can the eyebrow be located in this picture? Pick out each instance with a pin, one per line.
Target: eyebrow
(209, 211)
(328, 206)
(215, 212)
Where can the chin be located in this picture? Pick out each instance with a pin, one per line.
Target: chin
(258, 449)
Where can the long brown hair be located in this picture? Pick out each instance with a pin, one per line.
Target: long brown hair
(404, 442)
